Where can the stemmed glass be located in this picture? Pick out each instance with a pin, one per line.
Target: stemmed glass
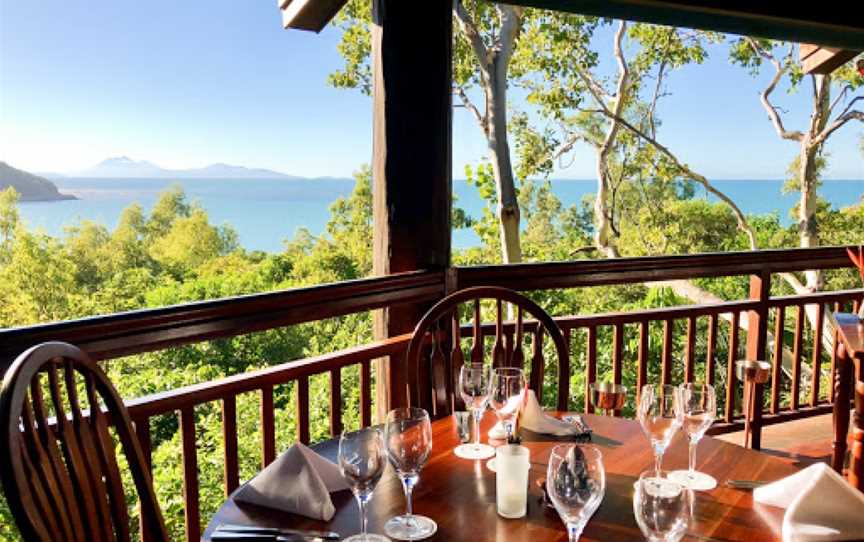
(662, 507)
(408, 438)
(699, 407)
(659, 413)
(362, 460)
(474, 388)
(506, 391)
(576, 484)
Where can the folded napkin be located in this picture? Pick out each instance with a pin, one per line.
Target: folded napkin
(820, 505)
(534, 419)
(298, 481)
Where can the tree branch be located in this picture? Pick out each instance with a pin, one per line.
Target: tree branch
(469, 105)
(473, 34)
(773, 114)
(842, 119)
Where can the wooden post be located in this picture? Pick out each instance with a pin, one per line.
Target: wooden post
(757, 341)
(412, 57)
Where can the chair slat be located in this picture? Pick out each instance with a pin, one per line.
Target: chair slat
(498, 348)
(642, 367)
(666, 360)
(710, 348)
(590, 366)
(690, 351)
(477, 344)
(457, 357)
(517, 356)
(538, 363)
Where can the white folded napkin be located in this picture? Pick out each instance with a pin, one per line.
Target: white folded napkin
(820, 505)
(298, 481)
(534, 419)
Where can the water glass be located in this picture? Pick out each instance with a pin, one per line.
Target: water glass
(699, 408)
(474, 389)
(362, 459)
(662, 507)
(408, 439)
(506, 393)
(576, 484)
(659, 413)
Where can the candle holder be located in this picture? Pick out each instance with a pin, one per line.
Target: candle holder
(512, 463)
(608, 396)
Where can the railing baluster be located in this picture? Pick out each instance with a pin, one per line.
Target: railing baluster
(730, 368)
(538, 364)
(777, 372)
(642, 369)
(365, 393)
(666, 361)
(817, 355)
(229, 443)
(796, 362)
(617, 352)
(190, 475)
(837, 308)
(142, 430)
(335, 402)
(268, 427)
(689, 362)
(303, 409)
(710, 367)
(590, 366)
(563, 367)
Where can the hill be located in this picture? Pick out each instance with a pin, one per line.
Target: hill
(125, 167)
(30, 187)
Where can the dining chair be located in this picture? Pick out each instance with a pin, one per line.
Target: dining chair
(435, 354)
(58, 460)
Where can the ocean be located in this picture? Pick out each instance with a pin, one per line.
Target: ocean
(268, 212)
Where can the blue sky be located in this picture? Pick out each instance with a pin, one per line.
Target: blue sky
(185, 84)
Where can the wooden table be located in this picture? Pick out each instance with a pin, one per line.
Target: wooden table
(850, 363)
(460, 494)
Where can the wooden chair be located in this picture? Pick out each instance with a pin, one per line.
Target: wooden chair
(58, 463)
(435, 355)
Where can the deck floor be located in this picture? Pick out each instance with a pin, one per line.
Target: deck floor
(801, 442)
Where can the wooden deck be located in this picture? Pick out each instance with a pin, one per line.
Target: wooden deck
(801, 442)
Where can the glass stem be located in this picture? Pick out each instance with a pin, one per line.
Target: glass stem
(408, 484)
(574, 531)
(658, 462)
(477, 415)
(361, 502)
(692, 455)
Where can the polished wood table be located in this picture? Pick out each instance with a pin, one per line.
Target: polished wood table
(848, 377)
(460, 494)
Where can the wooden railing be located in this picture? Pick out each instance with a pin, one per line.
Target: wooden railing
(107, 337)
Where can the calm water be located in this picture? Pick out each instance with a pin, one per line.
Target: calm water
(265, 213)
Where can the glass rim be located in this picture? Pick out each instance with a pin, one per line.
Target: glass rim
(362, 431)
(407, 413)
(592, 448)
(508, 372)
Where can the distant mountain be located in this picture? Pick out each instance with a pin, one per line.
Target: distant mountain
(125, 167)
(29, 186)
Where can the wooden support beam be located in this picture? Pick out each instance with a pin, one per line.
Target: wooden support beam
(411, 159)
(816, 59)
(757, 341)
(309, 14)
(835, 23)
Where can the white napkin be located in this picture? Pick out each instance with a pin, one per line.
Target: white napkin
(534, 419)
(820, 505)
(298, 481)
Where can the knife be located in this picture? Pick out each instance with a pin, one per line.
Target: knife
(274, 531)
(746, 484)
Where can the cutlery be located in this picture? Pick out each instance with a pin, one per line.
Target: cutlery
(746, 484)
(273, 531)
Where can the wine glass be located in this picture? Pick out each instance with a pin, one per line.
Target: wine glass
(576, 484)
(699, 407)
(408, 438)
(608, 396)
(659, 414)
(506, 391)
(662, 507)
(474, 388)
(362, 460)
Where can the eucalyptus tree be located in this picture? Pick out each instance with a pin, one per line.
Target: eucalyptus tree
(827, 116)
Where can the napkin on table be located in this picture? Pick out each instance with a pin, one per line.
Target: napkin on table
(534, 419)
(298, 481)
(820, 505)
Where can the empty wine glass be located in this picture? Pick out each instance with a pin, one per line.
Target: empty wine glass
(576, 484)
(408, 438)
(662, 507)
(362, 460)
(698, 407)
(659, 414)
(506, 391)
(474, 388)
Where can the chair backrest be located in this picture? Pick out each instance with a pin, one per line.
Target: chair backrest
(435, 354)
(58, 463)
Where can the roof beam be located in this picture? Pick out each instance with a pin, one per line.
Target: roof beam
(833, 23)
(309, 14)
(816, 59)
